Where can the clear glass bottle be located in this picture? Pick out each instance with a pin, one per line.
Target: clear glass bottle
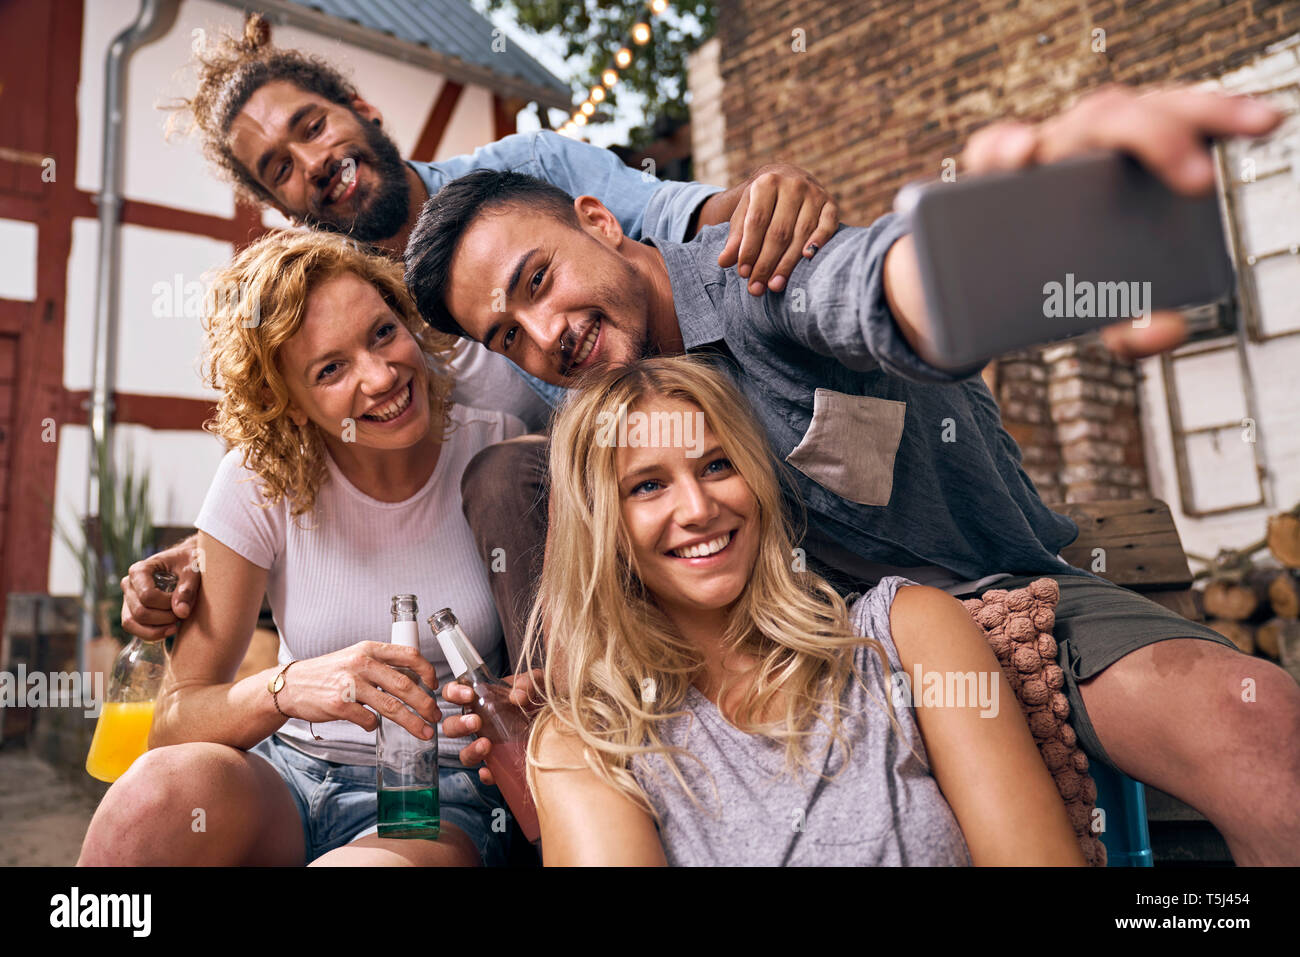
(504, 722)
(126, 714)
(406, 766)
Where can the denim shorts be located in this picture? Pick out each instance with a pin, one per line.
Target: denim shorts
(337, 804)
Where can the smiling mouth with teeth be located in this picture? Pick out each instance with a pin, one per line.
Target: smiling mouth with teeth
(584, 348)
(346, 176)
(711, 547)
(391, 410)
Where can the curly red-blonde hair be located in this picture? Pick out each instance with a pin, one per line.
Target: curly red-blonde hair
(256, 304)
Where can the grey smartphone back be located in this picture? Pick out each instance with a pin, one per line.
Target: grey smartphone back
(1010, 260)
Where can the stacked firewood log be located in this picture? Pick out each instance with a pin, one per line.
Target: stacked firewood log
(1255, 601)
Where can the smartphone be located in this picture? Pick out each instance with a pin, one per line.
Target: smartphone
(1010, 260)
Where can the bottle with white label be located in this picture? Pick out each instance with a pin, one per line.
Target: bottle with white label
(406, 766)
(504, 722)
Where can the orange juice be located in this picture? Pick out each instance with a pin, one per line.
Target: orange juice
(121, 736)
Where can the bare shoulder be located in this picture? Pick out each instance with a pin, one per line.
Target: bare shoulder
(558, 743)
(928, 623)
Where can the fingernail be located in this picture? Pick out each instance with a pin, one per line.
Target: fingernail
(756, 288)
(744, 270)
(811, 249)
(777, 283)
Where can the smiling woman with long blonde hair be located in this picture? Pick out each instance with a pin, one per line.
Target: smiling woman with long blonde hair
(708, 701)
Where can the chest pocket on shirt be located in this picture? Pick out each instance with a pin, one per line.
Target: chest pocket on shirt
(851, 444)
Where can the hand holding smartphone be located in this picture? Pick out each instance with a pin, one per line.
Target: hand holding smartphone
(1013, 259)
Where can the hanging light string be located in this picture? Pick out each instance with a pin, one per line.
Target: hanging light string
(622, 59)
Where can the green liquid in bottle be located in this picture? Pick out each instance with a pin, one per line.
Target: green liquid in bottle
(409, 812)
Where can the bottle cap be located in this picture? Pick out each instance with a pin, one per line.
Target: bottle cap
(404, 607)
(405, 631)
(455, 644)
(164, 581)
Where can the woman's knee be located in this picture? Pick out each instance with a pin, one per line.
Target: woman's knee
(172, 797)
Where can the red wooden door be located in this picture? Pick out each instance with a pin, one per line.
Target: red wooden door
(40, 65)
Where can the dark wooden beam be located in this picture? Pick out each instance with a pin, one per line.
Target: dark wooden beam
(426, 147)
(151, 411)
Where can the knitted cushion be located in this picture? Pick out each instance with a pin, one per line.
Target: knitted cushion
(1018, 625)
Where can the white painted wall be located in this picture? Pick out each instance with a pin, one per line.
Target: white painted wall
(1210, 388)
(18, 264)
(155, 171)
(158, 346)
(180, 466)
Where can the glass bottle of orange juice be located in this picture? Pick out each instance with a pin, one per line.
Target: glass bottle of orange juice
(122, 733)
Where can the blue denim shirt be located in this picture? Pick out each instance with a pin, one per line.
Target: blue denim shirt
(898, 463)
(645, 206)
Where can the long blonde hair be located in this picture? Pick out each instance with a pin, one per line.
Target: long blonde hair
(607, 638)
(255, 305)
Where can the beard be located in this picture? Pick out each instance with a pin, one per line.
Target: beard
(381, 210)
(620, 296)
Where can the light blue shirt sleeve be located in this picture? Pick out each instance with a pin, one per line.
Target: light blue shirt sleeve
(644, 205)
(835, 305)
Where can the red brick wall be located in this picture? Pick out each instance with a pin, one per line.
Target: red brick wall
(885, 91)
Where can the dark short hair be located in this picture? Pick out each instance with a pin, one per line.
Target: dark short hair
(447, 216)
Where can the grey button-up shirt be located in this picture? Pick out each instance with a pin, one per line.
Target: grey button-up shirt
(899, 463)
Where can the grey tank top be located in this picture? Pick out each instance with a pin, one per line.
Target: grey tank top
(885, 808)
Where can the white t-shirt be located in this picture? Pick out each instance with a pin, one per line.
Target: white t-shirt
(333, 571)
(488, 380)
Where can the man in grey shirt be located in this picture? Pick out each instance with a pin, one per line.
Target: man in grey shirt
(904, 469)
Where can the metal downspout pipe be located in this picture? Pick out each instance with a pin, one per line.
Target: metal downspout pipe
(156, 18)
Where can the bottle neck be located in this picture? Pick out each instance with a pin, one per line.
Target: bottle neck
(477, 676)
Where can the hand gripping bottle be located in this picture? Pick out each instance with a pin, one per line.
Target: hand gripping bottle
(504, 722)
(122, 731)
(406, 767)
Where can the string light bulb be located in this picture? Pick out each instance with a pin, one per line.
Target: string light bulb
(641, 34)
(579, 119)
(623, 57)
(588, 108)
(597, 94)
(609, 78)
(658, 6)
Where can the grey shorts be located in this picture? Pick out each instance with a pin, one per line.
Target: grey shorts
(1097, 624)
